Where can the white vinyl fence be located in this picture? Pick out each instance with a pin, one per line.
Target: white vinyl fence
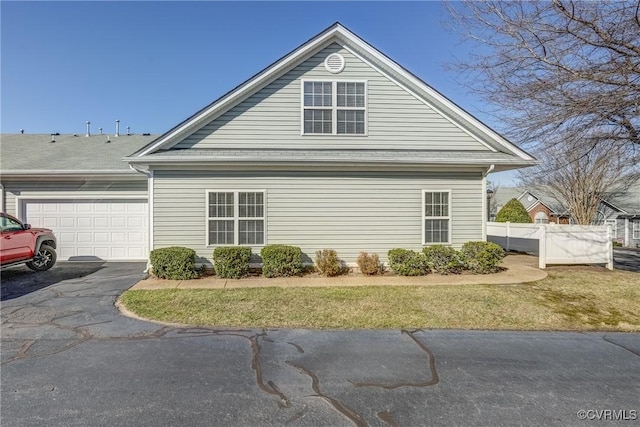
(556, 243)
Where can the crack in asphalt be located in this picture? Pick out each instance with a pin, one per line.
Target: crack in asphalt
(337, 404)
(435, 379)
(43, 309)
(387, 418)
(297, 347)
(630, 350)
(269, 387)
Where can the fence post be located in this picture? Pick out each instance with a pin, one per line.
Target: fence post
(542, 247)
(508, 232)
(609, 248)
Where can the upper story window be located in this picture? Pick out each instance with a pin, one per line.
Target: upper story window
(334, 108)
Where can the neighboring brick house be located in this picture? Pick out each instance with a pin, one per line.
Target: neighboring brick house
(542, 210)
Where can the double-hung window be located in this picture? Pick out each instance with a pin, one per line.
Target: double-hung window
(235, 218)
(636, 228)
(334, 108)
(436, 217)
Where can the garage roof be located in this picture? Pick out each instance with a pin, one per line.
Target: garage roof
(35, 153)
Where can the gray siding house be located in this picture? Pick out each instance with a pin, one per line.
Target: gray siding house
(333, 146)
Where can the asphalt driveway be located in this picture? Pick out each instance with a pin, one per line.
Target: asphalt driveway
(626, 259)
(70, 359)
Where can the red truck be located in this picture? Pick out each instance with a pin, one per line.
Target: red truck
(21, 244)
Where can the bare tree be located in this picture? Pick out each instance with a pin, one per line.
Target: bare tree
(557, 67)
(580, 177)
(565, 78)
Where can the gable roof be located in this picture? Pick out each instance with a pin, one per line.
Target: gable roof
(627, 202)
(337, 33)
(35, 154)
(540, 196)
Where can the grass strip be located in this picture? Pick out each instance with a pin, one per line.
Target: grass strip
(568, 299)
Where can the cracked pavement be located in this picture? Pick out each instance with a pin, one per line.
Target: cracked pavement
(69, 358)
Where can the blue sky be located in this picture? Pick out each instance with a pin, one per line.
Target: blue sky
(153, 64)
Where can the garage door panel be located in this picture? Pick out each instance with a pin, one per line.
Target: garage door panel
(89, 229)
(67, 221)
(101, 222)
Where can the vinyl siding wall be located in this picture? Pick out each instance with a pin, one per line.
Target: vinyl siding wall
(271, 118)
(70, 190)
(346, 211)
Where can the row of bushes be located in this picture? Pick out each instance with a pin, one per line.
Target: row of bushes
(477, 257)
(233, 262)
(284, 261)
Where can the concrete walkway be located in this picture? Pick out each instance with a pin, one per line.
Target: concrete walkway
(519, 269)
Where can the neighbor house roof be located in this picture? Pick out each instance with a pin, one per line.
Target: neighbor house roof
(627, 202)
(35, 154)
(541, 194)
(341, 35)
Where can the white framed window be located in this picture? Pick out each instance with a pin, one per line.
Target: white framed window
(334, 108)
(636, 228)
(541, 218)
(235, 218)
(436, 217)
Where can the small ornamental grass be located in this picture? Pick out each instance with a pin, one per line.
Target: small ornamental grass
(328, 263)
(231, 262)
(174, 263)
(369, 264)
(281, 261)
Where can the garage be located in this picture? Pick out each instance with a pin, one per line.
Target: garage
(92, 229)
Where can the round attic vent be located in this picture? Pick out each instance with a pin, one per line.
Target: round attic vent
(334, 63)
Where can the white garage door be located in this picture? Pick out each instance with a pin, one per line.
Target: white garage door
(93, 229)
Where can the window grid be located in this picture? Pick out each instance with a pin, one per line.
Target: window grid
(436, 217)
(346, 114)
(244, 218)
(636, 228)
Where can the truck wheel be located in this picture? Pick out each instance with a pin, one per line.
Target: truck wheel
(44, 259)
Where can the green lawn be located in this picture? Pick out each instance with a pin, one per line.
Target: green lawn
(570, 298)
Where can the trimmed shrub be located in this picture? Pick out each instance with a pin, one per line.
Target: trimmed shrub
(513, 211)
(328, 263)
(231, 262)
(405, 262)
(482, 257)
(443, 259)
(369, 264)
(176, 263)
(281, 261)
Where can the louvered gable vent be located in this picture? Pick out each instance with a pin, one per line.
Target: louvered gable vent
(334, 63)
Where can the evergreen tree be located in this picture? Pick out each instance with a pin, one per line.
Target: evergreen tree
(513, 211)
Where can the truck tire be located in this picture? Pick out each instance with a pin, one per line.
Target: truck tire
(44, 259)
